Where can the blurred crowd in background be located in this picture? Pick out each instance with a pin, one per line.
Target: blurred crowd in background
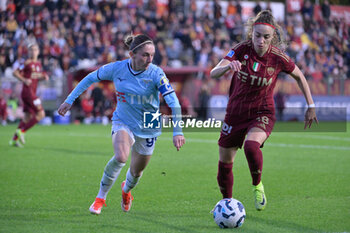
(80, 34)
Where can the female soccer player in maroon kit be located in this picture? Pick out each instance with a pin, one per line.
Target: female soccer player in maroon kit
(29, 73)
(250, 113)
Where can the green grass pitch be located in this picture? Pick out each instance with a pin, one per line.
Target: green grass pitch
(48, 185)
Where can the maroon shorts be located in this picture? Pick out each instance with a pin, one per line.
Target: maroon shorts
(234, 129)
(31, 104)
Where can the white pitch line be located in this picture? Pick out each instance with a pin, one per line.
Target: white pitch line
(321, 147)
(322, 137)
(197, 140)
(304, 146)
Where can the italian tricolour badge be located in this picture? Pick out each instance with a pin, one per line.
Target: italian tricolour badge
(256, 66)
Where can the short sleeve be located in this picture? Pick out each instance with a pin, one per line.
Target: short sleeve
(163, 84)
(288, 64)
(234, 52)
(106, 72)
(230, 55)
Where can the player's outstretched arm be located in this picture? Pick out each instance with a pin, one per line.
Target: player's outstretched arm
(44, 76)
(310, 114)
(173, 102)
(63, 109)
(223, 66)
(179, 141)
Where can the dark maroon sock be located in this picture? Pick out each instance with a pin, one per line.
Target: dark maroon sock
(30, 124)
(255, 160)
(225, 179)
(21, 125)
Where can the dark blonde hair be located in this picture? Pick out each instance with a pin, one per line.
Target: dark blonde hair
(266, 17)
(136, 42)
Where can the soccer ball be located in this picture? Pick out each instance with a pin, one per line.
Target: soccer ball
(229, 213)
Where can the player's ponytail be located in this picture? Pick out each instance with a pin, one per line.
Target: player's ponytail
(265, 17)
(136, 42)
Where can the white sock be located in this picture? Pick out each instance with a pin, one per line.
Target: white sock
(110, 175)
(131, 181)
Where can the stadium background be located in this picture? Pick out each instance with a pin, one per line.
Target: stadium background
(48, 185)
(76, 37)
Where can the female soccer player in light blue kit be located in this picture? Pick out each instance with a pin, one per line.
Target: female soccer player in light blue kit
(137, 83)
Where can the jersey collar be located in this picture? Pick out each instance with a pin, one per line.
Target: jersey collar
(135, 73)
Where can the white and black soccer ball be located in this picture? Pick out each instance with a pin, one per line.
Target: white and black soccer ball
(229, 213)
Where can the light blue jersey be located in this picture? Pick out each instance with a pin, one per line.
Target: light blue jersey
(137, 93)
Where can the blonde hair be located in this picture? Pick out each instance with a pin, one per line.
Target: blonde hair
(266, 17)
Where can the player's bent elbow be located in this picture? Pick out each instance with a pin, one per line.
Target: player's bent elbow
(213, 74)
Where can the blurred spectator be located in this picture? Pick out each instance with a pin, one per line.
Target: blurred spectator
(11, 24)
(231, 8)
(108, 105)
(217, 11)
(307, 10)
(280, 100)
(326, 10)
(4, 61)
(98, 100)
(268, 6)
(257, 8)
(239, 8)
(87, 105)
(186, 106)
(160, 57)
(13, 111)
(204, 96)
(3, 109)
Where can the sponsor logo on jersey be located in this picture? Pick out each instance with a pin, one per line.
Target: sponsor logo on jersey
(231, 53)
(120, 96)
(246, 56)
(244, 63)
(255, 80)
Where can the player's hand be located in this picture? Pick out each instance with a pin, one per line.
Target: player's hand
(45, 77)
(27, 82)
(235, 65)
(63, 109)
(310, 116)
(179, 141)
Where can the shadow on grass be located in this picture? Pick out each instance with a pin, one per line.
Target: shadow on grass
(152, 219)
(45, 224)
(71, 151)
(285, 225)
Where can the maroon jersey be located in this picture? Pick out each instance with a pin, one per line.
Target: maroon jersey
(251, 91)
(31, 70)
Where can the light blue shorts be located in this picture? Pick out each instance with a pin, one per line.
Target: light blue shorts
(143, 146)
